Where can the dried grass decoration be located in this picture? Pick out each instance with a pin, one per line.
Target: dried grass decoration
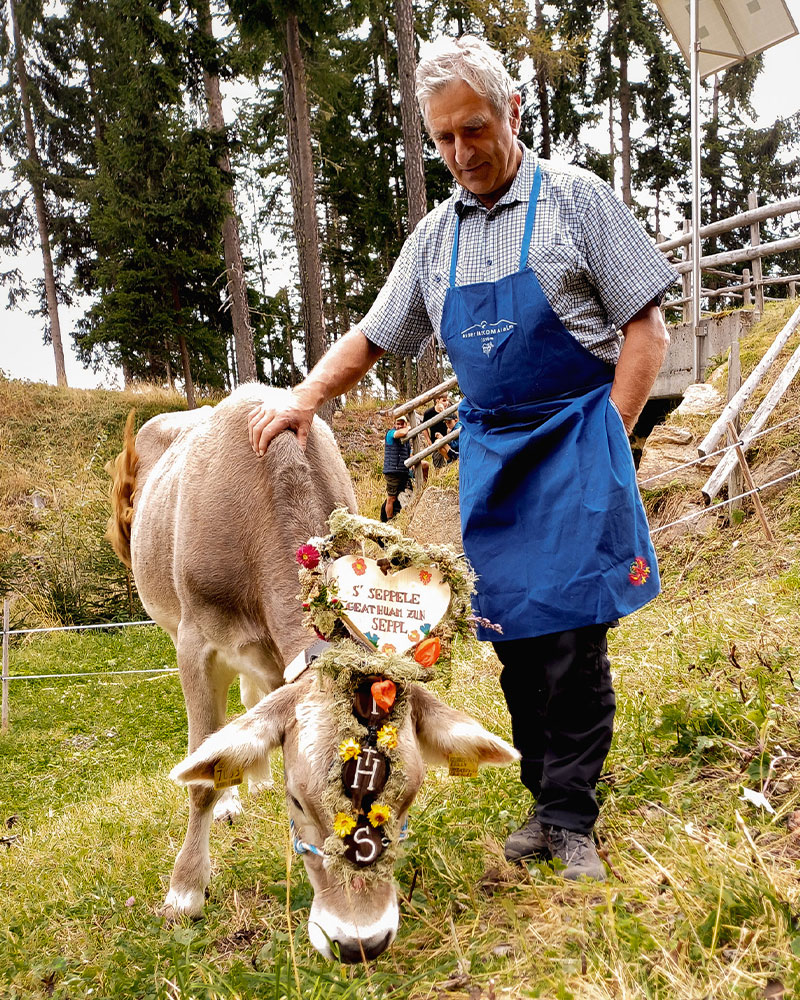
(366, 782)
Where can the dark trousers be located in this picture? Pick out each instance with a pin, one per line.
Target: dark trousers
(559, 694)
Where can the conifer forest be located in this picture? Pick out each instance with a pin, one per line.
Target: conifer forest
(168, 159)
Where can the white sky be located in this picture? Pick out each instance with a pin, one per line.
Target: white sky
(24, 356)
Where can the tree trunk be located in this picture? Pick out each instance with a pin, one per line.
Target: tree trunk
(34, 171)
(542, 92)
(414, 163)
(187, 372)
(168, 365)
(237, 285)
(338, 283)
(412, 138)
(301, 174)
(625, 127)
(187, 369)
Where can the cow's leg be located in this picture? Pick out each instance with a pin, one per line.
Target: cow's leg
(205, 683)
(252, 693)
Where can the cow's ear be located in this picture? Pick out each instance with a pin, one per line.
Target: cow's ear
(444, 732)
(244, 744)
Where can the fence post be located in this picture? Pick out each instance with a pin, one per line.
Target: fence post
(735, 479)
(755, 239)
(747, 293)
(686, 279)
(792, 289)
(419, 479)
(749, 480)
(4, 721)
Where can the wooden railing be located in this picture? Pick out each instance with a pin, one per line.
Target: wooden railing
(749, 286)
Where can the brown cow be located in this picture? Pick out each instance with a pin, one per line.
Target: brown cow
(211, 532)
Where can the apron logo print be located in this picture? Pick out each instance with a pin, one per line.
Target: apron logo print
(485, 329)
(487, 346)
(639, 571)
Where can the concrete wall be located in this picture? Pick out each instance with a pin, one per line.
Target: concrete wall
(677, 372)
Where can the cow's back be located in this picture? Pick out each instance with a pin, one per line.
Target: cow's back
(215, 528)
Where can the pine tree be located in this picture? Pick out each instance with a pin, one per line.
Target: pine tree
(31, 168)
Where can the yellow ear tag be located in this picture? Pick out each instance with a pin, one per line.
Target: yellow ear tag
(462, 767)
(226, 778)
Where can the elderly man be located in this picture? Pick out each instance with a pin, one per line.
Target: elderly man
(529, 273)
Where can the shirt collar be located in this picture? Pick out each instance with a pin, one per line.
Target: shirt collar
(520, 189)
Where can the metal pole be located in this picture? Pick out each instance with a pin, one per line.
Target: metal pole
(694, 69)
(4, 719)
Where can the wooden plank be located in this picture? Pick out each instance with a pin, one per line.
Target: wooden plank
(735, 479)
(425, 424)
(755, 240)
(756, 422)
(432, 447)
(748, 253)
(739, 221)
(714, 435)
(437, 390)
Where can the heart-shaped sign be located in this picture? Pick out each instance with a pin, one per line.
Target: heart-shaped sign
(393, 611)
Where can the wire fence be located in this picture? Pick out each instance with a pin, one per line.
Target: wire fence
(8, 633)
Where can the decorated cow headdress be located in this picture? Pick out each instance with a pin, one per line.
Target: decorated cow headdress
(390, 621)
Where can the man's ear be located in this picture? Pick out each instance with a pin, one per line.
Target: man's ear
(444, 732)
(243, 744)
(516, 113)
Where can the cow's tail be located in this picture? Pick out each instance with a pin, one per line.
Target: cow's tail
(122, 470)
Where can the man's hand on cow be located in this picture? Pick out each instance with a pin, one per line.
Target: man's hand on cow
(265, 423)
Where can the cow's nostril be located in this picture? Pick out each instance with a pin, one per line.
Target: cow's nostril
(351, 953)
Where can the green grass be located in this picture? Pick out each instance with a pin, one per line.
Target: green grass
(703, 899)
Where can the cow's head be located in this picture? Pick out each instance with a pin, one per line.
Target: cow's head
(358, 916)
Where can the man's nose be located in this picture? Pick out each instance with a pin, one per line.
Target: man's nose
(464, 151)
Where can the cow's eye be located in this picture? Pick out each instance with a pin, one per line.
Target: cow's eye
(296, 803)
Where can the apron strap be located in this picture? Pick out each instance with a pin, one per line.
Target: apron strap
(530, 218)
(454, 253)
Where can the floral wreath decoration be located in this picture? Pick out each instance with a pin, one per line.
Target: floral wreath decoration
(369, 686)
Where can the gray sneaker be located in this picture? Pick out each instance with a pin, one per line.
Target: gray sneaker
(576, 851)
(527, 842)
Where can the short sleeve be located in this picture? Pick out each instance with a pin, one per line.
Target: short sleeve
(398, 320)
(626, 268)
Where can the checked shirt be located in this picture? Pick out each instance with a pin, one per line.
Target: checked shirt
(595, 263)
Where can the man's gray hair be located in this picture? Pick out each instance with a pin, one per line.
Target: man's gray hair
(469, 59)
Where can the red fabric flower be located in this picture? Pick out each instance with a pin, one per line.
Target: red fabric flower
(359, 567)
(425, 576)
(307, 556)
(639, 572)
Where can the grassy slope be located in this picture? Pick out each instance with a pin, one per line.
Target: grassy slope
(704, 895)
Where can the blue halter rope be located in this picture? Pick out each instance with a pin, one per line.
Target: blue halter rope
(301, 847)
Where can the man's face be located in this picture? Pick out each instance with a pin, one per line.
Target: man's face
(400, 425)
(479, 148)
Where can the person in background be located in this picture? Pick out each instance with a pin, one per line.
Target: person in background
(452, 448)
(437, 430)
(545, 291)
(396, 449)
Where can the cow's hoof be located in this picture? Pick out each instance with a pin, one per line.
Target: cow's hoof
(183, 904)
(228, 807)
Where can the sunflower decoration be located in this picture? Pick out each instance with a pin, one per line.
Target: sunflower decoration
(344, 824)
(349, 749)
(387, 737)
(379, 814)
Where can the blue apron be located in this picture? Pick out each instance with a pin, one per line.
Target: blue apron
(551, 516)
